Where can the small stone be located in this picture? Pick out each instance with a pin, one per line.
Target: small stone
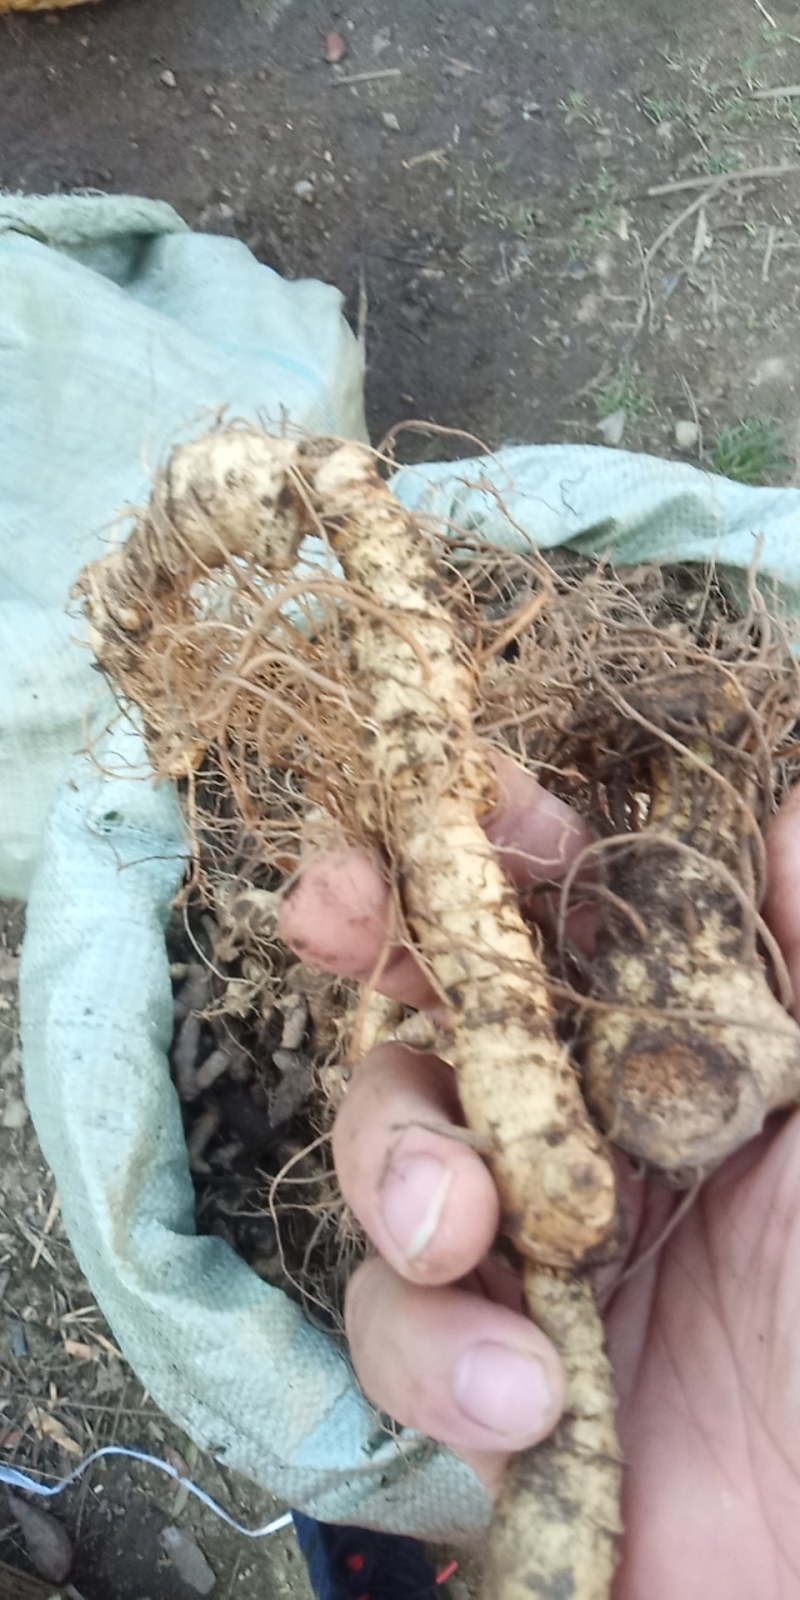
(9, 966)
(497, 107)
(19, 1344)
(687, 435)
(188, 1560)
(613, 427)
(169, 79)
(304, 190)
(218, 218)
(48, 1544)
(335, 47)
(15, 1113)
(11, 1063)
(390, 121)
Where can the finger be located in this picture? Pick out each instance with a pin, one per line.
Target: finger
(782, 907)
(450, 1364)
(537, 835)
(425, 1198)
(338, 915)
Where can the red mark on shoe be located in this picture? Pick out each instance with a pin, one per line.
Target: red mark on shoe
(447, 1572)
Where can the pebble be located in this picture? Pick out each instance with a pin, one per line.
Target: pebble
(19, 1346)
(390, 121)
(304, 190)
(11, 1063)
(335, 47)
(217, 218)
(15, 1113)
(497, 106)
(687, 435)
(169, 79)
(48, 1544)
(9, 966)
(613, 427)
(188, 1560)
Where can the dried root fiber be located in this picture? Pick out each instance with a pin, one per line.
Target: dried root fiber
(315, 664)
(679, 741)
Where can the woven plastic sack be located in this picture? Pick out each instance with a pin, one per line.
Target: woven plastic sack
(228, 1357)
(120, 331)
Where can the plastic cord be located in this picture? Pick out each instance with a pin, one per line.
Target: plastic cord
(47, 1491)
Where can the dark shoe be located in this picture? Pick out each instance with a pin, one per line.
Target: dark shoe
(354, 1564)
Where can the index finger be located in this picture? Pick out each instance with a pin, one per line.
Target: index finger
(339, 914)
(782, 906)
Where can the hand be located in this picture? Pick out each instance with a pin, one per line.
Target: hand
(704, 1336)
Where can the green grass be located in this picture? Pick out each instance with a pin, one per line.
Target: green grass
(751, 451)
(725, 161)
(627, 391)
(515, 216)
(601, 211)
(667, 108)
(574, 107)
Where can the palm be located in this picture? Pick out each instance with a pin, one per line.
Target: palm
(703, 1336)
(704, 1342)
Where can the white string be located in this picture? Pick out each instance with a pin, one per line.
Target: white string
(20, 1480)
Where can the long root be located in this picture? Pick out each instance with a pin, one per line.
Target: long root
(574, 1478)
(516, 1083)
(423, 783)
(228, 495)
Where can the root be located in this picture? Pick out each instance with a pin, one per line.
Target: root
(557, 1524)
(516, 1083)
(685, 1094)
(400, 719)
(672, 724)
(240, 492)
(349, 692)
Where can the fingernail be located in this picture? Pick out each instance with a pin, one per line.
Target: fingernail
(412, 1201)
(504, 1390)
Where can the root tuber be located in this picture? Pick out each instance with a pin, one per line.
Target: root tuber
(690, 1050)
(671, 721)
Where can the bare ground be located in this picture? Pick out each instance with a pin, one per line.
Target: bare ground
(568, 226)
